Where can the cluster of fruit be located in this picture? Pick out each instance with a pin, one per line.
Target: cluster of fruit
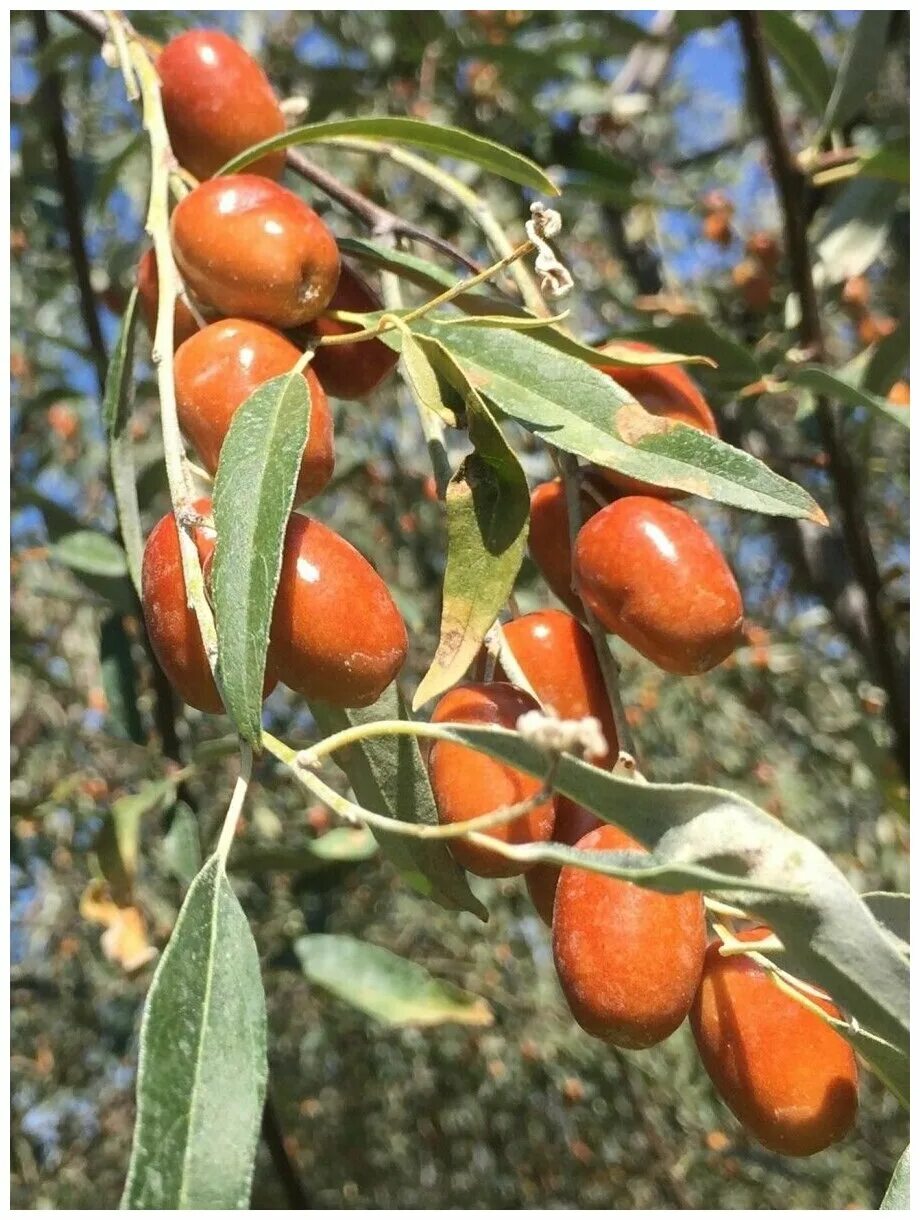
(260, 268)
(755, 275)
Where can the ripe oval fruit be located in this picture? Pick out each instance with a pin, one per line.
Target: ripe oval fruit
(653, 576)
(557, 656)
(664, 390)
(352, 370)
(336, 632)
(171, 623)
(252, 249)
(467, 783)
(788, 1077)
(573, 822)
(219, 367)
(148, 295)
(629, 959)
(217, 102)
(548, 539)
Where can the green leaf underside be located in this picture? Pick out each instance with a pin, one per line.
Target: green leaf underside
(433, 138)
(821, 381)
(897, 1196)
(488, 508)
(801, 58)
(116, 411)
(253, 497)
(829, 933)
(572, 406)
(202, 1068)
(390, 988)
(91, 553)
(394, 783)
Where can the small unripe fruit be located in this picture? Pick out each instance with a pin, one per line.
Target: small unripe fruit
(172, 625)
(855, 296)
(664, 390)
(336, 632)
(629, 959)
(219, 367)
(653, 576)
(765, 249)
(573, 822)
(788, 1077)
(148, 295)
(548, 538)
(754, 285)
(557, 656)
(252, 249)
(467, 783)
(217, 102)
(717, 227)
(355, 369)
(899, 394)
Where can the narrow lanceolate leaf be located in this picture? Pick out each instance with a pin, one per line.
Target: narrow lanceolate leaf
(574, 407)
(892, 910)
(202, 1068)
(428, 388)
(897, 1196)
(118, 842)
(116, 410)
(801, 58)
(383, 985)
(820, 380)
(253, 495)
(434, 138)
(859, 69)
(887, 362)
(388, 776)
(854, 230)
(891, 162)
(488, 507)
(344, 845)
(91, 554)
(830, 935)
(734, 365)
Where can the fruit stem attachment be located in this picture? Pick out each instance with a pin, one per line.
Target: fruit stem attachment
(237, 800)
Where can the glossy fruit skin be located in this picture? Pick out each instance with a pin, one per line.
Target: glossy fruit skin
(573, 822)
(252, 249)
(353, 370)
(336, 632)
(664, 390)
(171, 624)
(557, 656)
(629, 959)
(789, 1079)
(548, 539)
(148, 295)
(467, 783)
(215, 372)
(217, 102)
(653, 576)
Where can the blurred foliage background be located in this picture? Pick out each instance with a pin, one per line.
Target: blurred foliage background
(530, 1111)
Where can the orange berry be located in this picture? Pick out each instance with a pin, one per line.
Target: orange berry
(148, 291)
(355, 369)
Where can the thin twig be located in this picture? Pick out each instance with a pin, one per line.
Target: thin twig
(791, 184)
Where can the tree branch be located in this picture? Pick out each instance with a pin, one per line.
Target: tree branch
(791, 186)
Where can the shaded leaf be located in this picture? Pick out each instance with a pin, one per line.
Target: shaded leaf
(434, 138)
(802, 61)
(891, 162)
(887, 362)
(343, 845)
(892, 911)
(385, 986)
(253, 497)
(202, 1068)
(423, 380)
(91, 553)
(119, 680)
(572, 406)
(392, 781)
(859, 69)
(118, 842)
(180, 850)
(820, 380)
(488, 509)
(897, 1196)
(735, 367)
